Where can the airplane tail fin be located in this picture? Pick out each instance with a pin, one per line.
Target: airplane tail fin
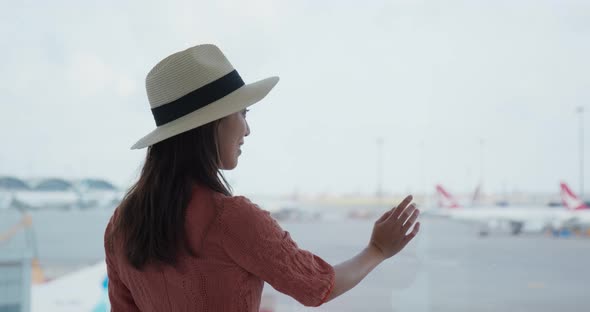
(570, 200)
(446, 200)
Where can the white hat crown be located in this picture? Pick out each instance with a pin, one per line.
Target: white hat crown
(183, 72)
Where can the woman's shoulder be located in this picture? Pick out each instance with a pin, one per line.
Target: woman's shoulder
(231, 206)
(241, 210)
(244, 221)
(239, 205)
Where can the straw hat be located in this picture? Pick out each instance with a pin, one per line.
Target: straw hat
(194, 87)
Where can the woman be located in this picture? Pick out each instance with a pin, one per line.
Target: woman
(179, 241)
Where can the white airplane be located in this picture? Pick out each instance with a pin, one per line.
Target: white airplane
(579, 211)
(516, 219)
(82, 291)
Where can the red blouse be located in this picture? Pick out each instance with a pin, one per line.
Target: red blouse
(239, 247)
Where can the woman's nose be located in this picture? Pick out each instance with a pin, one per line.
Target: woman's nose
(247, 129)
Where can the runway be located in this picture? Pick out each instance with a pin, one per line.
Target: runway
(448, 267)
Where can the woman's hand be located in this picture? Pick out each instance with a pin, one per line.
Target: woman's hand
(389, 232)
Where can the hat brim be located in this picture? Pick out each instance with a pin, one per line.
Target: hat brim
(232, 103)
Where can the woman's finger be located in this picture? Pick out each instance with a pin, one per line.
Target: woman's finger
(406, 214)
(412, 234)
(410, 221)
(400, 208)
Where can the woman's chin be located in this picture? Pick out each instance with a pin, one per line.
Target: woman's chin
(232, 165)
(229, 165)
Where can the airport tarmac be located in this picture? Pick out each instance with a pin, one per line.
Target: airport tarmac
(448, 267)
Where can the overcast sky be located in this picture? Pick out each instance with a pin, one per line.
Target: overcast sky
(431, 78)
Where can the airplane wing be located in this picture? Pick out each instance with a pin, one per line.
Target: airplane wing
(82, 291)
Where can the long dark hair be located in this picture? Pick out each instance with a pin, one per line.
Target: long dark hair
(150, 218)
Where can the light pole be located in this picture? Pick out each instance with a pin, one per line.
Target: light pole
(580, 111)
(379, 168)
(476, 193)
(423, 174)
(481, 154)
